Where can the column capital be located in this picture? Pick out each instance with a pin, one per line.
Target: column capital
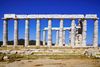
(27, 18)
(15, 18)
(49, 18)
(61, 18)
(5, 19)
(72, 18)
(96, 19)
(38, 18)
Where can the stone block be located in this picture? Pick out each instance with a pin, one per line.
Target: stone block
(21, 16)
(90, 16)
(56, 16)
(9, 15)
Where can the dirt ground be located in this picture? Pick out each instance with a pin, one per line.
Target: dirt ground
(53, 63)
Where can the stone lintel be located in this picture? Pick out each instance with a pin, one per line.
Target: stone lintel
(56, 28)
(45, 16)
(50, 16)
(91, 16)
(9, 15)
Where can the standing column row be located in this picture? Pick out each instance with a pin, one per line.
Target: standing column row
(61, 33)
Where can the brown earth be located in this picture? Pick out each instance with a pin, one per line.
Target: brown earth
(45, 62)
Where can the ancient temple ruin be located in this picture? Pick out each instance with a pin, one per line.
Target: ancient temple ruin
(77, 33)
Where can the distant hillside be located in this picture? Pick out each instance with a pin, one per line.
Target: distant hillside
(31, 42)
(21, 42)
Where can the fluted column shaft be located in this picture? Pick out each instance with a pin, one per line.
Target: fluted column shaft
(64, 37)
(5, 32)
(44, 37)
(84, 33)
(73, 33)
(49, 33)
(26, 32)
(38, 33)
(95, 39)
(61, 33)
(57, 38)
(15, 32)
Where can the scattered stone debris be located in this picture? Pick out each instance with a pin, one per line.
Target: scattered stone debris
(5, 58)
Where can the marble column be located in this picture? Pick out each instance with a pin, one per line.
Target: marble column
(38, 33)
(44, 37)
(57, 38)
(61, 33)
(49, 33)
(84, 33)
(64, 37)
(15, 32)
(5, 32)
(95, 39)
(73, 33)
(26, 32)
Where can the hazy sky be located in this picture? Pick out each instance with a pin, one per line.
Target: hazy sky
(48, 7)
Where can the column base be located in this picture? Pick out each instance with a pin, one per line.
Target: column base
(3, 45)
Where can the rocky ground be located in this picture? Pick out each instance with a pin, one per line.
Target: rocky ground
(45, 62)
(53, 57)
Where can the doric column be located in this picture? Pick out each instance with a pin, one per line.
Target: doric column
(44, 37)
(64, 37)
(26, 32)
(15, 32)
(73, 33)
(49, 33)
(84, 33)
(57, 38)
(69, 38)
(38, 33)
(61, 33)
(5, 32)
(95, 39)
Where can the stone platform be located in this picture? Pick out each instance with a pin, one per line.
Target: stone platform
(88, 51)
